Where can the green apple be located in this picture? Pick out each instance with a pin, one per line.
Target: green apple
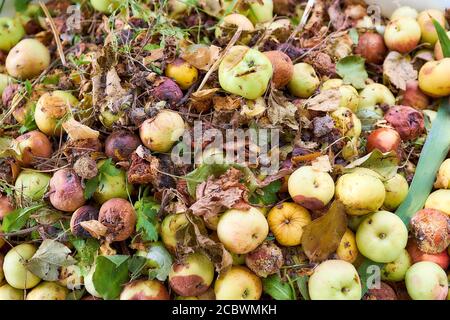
(112, 186)
(9, 293)
(426, 281)
(48, 291)
(396, 191)
(396, 270)
(311, 188)
(192, 275)
(335, 280)
(382, 236)
(27, 59)
(169, 228)
(260, 11)
(238, 283)
(347, 122)
(375, 94)
(105, 6)
(5, 80)
(16, 274)
(402, 35)
(245, 72)
(242, 231)
(227, 27)
(31, 185)
(360, 193)
(349, 95)
(11, 31)
(304, 82)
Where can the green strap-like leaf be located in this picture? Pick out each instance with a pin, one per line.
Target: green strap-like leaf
(443, 38)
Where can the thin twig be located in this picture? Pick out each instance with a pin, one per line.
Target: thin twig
(305, 17)
(55, 33)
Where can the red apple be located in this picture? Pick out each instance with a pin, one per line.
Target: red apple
(442, 259)
(414, 97)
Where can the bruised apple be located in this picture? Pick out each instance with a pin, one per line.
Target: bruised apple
(433, 78)
(238, 283)
(347, 250)
(286, 222)
(335, 280)
(66, 191)
(170, 226)
(381, 237)
(310, 188)
(349, 95)
(245, 72)
(426, 281)
(192, 275)
(121, 144)
(27, 59)
(242, 231)
(144, 290)
(375, 94)
(396, 270)
(407, 121)
(283, 68)
(161, 132)
(34, 145)
(360, 193)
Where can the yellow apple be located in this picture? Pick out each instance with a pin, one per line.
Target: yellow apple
(347, 250)
(429, 34)
(304, 81)
(402, 35)
(238, 283)
(433, 78)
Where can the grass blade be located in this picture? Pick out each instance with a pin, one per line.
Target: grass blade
(443, 38)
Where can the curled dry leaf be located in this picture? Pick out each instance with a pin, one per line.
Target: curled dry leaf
(326, 101)
(79, 131)
(398, 70)
(95, 228)
(322, 236)
(281, 111)
(227, 103)
(200, 56)
(322, 164)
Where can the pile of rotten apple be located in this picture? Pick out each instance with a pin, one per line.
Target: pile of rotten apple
(93, 206)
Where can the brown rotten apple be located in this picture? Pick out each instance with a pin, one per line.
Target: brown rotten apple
(192, 275)
(442, 258)
(431, 228)
(371, 47)
(66, 192)
(283, 68)
(265, 260)
(414, 97)
(34, 145)
(6, 206)
(120, 145)
(408, 122)
(84, 213)
(144, 290)
(119, 217)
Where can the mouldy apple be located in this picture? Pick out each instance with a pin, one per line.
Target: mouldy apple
(238, 283)
(439, 200)
(396, 270)
(286, 222)
(245, 72)
(335, 280)
(310, 188)
(242, 231)
(16, 274)
(105, 6)
(144, 290)
(192, 275)
(265, 260)
(431, 229)
(11, 31)
(66, 191)
(182, 73)
(433, 78)
(119, 217)
(9, 293)
(48, 291)
(283, 68)
(396, 191)
(429, 34)
(360, 193)
(402, 35)
(381, 237)
(304, 81)
(161, 132)
(347, 250)
(27, 59)
(426, 281)
(407, 121)
(31, 185)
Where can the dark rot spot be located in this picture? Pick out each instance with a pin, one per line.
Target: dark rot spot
(188, 286)
(309, 202)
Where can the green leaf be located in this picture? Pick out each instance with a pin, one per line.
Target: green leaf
(86, 252)
(90, 186)
(302, 284)
(353, 33)
(50, 256)
(109, 168)
(202, 173)
(385, 164)
(29, 123)
(443, 38)
(277, 288)
(353, 71)
(161, 258)
(18, 218)
(136, 266)
(268, 194)
(9, 148)
(21, 5)
(146, 211)
(111, 273)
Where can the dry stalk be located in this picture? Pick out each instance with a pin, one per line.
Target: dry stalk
(55, 33)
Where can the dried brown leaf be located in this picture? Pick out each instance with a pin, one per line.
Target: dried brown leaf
(79, 131)
(398, 70)
(200, 56)
(281, 111)
(326, 101)
(95, 228)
